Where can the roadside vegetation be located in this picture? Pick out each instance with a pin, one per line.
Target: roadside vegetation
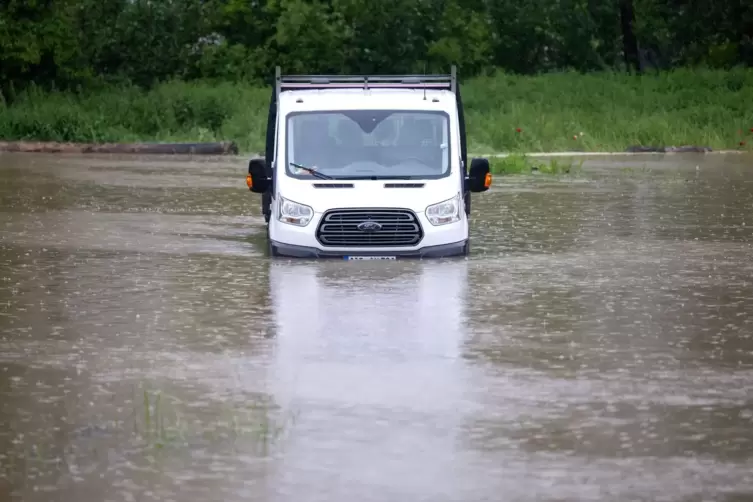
(538, 76)
(505, 113)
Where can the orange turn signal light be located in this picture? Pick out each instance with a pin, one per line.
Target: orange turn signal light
(488, 180)
(249, 181)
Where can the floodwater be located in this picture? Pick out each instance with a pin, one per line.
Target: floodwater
(597, 346)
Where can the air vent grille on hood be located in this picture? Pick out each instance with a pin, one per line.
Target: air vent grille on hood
(403, 185)
(333, 185)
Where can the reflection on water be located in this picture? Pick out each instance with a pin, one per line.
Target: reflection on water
(597, 346)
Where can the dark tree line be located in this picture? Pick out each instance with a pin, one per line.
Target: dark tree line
(69, 43)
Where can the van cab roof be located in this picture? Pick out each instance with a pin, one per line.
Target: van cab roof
(378, 99)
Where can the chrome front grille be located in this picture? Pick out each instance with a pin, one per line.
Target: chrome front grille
(369, 228)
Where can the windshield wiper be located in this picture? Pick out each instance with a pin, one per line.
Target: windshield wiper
(312, 172)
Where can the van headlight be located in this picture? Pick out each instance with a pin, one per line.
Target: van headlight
(293, 212)
(448, 211)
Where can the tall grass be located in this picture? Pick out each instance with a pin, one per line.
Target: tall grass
(563, 111)
(609, 112)
(159, 422)
(174, 111)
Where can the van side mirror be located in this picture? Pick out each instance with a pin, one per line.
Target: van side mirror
(479, 176)
(257, 179)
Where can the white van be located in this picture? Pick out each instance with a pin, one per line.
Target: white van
(367, 167)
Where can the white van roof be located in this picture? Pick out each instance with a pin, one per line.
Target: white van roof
(376, 99)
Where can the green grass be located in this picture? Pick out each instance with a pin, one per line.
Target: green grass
(159, 423)
(553, 112)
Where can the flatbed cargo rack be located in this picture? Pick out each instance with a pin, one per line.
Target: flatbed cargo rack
(366, 82)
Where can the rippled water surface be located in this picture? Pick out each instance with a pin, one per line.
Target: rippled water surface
(597, 346)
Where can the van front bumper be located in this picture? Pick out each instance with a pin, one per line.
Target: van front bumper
(439, 251)
(301, 242)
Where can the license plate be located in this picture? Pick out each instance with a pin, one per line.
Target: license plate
(371, 257)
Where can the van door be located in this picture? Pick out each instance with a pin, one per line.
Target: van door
(463, 150)
(266, 197)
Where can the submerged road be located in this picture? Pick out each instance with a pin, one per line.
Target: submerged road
(597, 346)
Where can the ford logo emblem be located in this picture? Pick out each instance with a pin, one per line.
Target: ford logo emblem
(369, 226)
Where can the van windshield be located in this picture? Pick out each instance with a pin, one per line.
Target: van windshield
(381, 144)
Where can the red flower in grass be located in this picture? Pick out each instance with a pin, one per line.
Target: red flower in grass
(518, 129)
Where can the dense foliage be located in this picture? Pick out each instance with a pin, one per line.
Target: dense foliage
(557, 111)
(65, 43)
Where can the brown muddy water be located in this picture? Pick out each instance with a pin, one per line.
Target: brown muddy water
(597, 346)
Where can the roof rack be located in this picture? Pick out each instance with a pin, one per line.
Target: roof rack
(288, 82)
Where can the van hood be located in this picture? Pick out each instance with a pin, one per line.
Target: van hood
(322, 195)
